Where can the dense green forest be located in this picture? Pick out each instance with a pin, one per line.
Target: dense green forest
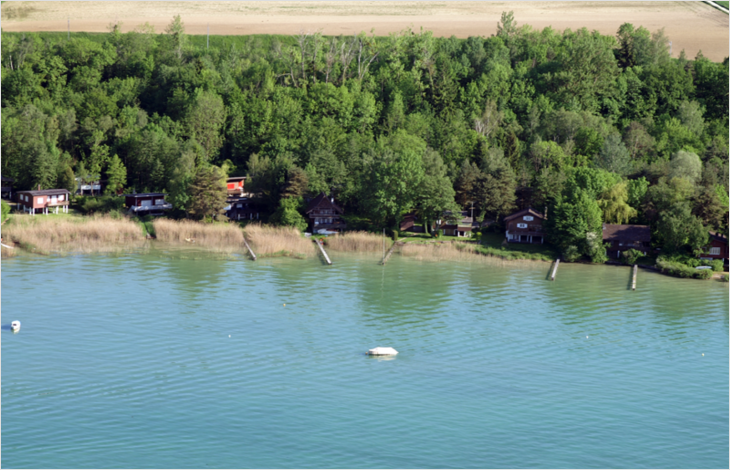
(594, 128)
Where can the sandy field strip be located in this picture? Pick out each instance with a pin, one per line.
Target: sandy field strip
(691, 26)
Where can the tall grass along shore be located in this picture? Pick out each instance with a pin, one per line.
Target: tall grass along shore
(217, 237)
(358, 242)
(278, 241)
(45, 235)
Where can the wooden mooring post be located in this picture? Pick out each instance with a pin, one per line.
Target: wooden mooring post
(324, 253)
(633, 277)
(249, 249)
(555, 270)
(387, 255)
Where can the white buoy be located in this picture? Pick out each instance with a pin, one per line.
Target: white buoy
(15, 326)
(382, 352)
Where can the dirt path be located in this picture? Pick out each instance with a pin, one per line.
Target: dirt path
(690, 25)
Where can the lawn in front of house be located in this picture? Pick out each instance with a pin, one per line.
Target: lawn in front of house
(495, 241)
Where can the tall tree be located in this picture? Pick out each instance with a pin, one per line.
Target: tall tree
(208, 193)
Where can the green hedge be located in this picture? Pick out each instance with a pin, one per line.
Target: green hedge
(674, 268)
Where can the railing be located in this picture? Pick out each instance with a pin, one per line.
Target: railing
(149, 208)
(57, 203)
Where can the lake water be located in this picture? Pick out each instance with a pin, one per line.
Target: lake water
(172, 359)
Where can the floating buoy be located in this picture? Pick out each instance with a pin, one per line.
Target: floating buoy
(703, 354)
(382, 352)
(284, 305)
(15, 326)
(586, 337)
(229, 336)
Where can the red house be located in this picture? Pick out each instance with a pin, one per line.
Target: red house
(146, 203)
(235, 185)
(30, 201)
(324, 214)
(525, 226)
(718, 247)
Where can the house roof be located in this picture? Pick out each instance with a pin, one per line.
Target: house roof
(718, 236)
(45, 192)
(528, 211)
(236, 178)
(144, 195)
(322, 201)
(626, 233)
(5, 178)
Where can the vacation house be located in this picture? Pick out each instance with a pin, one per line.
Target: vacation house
(717, 248)
(146, 203)
(410, 224)
(235, 186)
(45, 199)
(7, 187)
(462, 227)
(324, 214)
(625, 237)
(525, 226)
(242, 208)
(84, 187)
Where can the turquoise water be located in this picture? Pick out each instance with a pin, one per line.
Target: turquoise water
(164, 360)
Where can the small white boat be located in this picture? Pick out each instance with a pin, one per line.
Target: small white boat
(382, 352)
(15, 326)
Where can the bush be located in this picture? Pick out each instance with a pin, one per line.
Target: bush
(674, 268)
(5, 211)
(631, 256)
(717, 265)
(395, 235)
(571, 254)
(99, 205)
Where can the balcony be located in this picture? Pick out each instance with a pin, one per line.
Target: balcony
(151, 207)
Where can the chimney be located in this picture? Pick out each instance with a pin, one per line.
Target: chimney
(39, 187)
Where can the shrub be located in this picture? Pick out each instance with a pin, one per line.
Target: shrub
(5, 211)
(717, 265)
(674, 268)
(99, 205)
(394, 234)
(631, 256)
(571, 254)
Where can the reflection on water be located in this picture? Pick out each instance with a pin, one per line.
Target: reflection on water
(179, 358)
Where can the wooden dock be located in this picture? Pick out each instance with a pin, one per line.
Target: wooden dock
(249, 249)
(633, 277)
(324, 253)
(555, 269)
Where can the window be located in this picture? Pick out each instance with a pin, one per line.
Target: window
(521, 225)
(715, 250)
(159, 202)
(40, 200)
(528, 218)
(60, 198)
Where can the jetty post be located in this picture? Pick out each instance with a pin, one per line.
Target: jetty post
(324, 253)
(633, 277)
(555, 269)
(249, 249)
(387, 255)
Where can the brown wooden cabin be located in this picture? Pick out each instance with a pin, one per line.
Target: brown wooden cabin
(717, 248)
(625, 237)
(44, 199)
(525, 226)
(410, 224)
(242, 208)
(7, 187)
(147, 203)
(235, 186)
(323, 214)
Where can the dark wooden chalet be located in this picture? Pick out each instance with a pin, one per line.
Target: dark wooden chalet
(89, 188)
(235, 186)
(461, 228)
(717, 248)
(410, 223)
(242, 208)
(147, 203)
(323, 214)
(625, 237)
(45, 199)
(7, 187)
(525, 226)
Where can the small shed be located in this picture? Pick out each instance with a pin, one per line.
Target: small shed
(625, 237)
(147, 203)
(43, 199)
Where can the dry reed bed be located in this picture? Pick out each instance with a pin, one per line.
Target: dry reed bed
(266, 240)
(88, 235)
(455, 252)
(217, 237)
(357, 242)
